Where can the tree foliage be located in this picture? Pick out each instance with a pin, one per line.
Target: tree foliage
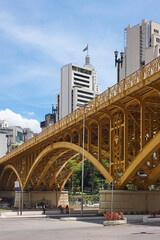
(93, 179)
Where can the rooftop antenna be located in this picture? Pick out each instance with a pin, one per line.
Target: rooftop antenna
(53, 109)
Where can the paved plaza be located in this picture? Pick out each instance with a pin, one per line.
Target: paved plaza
(54, 229)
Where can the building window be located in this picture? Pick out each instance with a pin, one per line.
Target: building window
(80, 100)
(72, 101)
(85, 81)
(158, 40)
(88, 93)
(82, 70)
(82, 96)
(79, 75)
(80, 84)
(156, 31)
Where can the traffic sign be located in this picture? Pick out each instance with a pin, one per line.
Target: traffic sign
(112, 184)
(19, 190)
(16, 184)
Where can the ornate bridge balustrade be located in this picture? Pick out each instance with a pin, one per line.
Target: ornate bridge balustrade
(122, 139)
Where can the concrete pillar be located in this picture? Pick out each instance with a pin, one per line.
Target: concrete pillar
(129, 202)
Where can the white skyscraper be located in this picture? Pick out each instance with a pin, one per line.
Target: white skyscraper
(95, 87)
(142, 45)
(78, 86)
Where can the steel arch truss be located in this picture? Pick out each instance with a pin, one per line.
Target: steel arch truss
(140, 167)
(122, 127)
(8, 177)
(50, 167)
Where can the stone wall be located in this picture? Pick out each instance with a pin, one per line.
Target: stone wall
(34, 198)
(129, 202)
(7, 193)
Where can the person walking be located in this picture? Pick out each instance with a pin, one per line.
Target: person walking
(67, 209)
(44, 208)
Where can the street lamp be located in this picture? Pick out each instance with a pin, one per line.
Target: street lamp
(82, 182)
(118, 61)
(83, 139)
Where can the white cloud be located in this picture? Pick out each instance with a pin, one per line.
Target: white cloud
(59, 45)
(31, 113)
(15, 119)
(63, 47)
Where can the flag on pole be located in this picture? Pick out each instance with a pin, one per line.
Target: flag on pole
(85, 49)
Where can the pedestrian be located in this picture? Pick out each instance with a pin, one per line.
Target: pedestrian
(67, 209)
(61, 209)
(44, 208)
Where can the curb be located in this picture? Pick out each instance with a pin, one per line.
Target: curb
(115, 222)
(23, 216)
(80, 218)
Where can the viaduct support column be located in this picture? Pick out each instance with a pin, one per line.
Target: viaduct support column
(142, 124)
(89, 139)
(125, 138)
(99, 140)
(111, 145)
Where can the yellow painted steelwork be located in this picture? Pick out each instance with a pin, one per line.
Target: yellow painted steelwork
(152, 146)
(122, 130)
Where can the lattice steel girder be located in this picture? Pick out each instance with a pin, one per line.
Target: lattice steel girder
(152, 146)
(118, 122)
(9, 166)
(65, 146)
(59, 170)
(48, 166)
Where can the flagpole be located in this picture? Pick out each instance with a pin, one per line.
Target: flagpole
(86, 49)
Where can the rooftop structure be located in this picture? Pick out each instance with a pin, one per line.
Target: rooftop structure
(78, 86)
(142, 45)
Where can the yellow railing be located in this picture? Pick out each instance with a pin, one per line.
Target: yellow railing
(119, 88)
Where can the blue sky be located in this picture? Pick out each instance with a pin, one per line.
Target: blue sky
(38, 37)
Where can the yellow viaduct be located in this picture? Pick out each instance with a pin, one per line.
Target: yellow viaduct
(122, 139)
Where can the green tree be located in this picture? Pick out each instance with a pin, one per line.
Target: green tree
(93, 179)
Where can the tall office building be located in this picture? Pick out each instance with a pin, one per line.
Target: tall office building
(142, 45)
(78, 86)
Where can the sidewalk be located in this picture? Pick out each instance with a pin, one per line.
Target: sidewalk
(16, 214)
(73, 216)
(49, 214)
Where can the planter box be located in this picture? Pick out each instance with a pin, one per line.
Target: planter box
(115, 222)
(147, 219)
